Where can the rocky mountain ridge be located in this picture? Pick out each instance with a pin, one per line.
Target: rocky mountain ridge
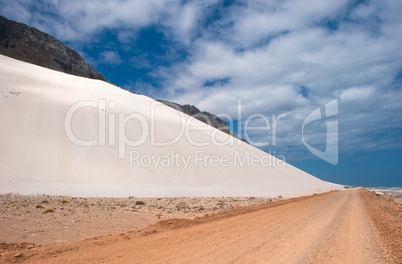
(28, 44)
(205, 117)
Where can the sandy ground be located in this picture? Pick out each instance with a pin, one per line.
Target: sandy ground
(338, 227)
(23, 217)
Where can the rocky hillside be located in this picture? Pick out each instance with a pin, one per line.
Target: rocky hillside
(205, 117)
(28, 44)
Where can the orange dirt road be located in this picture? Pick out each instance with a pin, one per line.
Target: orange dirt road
(329, 228)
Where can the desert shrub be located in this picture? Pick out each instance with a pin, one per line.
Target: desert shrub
(181, 205)
(64, 201)
(39, 206)
(48, 211)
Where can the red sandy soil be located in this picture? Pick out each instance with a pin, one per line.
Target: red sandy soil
(22, 217)
(353, 226)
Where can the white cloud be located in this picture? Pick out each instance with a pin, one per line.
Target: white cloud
(357, 62)
(110, 57)
(356, 94)
(75, 19)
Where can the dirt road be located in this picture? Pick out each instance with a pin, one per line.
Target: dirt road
(329, 228)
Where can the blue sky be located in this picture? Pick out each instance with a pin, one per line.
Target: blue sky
(278, 57)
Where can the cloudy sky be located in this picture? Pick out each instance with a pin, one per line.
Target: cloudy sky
(273, 58)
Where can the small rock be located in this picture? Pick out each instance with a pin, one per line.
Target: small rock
(140, 203)
(18, 255)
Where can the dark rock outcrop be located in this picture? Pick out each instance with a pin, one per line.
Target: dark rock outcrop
(28, 44)
(205, 117)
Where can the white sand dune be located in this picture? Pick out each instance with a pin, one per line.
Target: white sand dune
(37, 155)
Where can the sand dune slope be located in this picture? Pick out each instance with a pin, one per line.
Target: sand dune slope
(67, 135)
